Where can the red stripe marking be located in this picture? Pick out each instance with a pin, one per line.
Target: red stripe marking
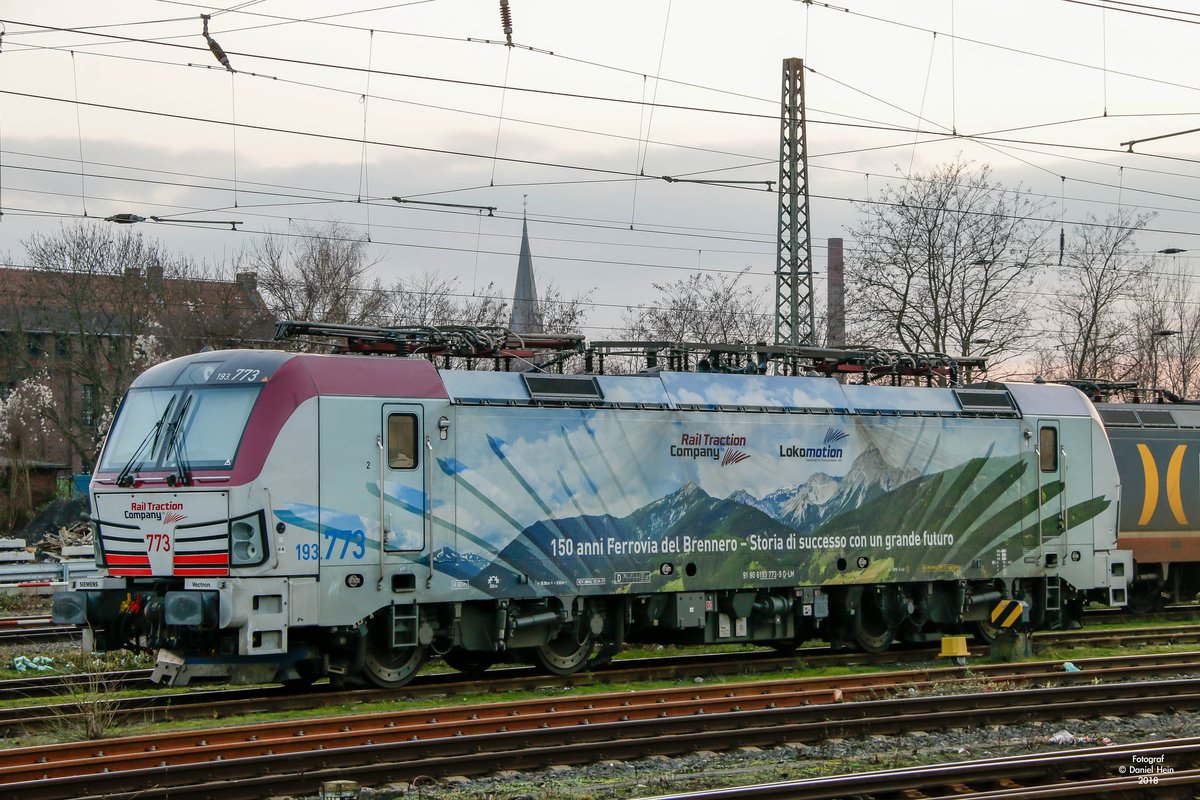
(117, 558)
(201, 558)
(208, 571)
(129, 571)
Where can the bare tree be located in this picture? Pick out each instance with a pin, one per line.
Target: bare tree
(427, 298)
(941, 262)
(703, 307)
(430, 299)
(1100, 276)
(90, 312)
(1166, 332)
(563, 314)
(23, 428)
(321, 274)
(485, 307)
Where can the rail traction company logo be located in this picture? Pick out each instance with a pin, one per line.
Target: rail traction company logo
(722, 448)
(829, 450)
(166, 513)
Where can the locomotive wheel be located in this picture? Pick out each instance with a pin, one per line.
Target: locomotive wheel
(388, 667)
(1145, 597)
(469, 662)
(870, 627)
(393, 668)
(985, 631)
(304, 676)
(565, 654)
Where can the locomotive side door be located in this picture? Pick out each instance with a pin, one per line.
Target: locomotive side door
(372, 468)
(1051, 481)
(404, 468)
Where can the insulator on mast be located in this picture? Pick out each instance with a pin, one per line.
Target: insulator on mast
(506, 20)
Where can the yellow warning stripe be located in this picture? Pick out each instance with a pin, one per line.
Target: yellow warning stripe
(1006, 613)
(1012, 618)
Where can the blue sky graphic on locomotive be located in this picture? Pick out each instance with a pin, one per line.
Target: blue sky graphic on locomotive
(603, 500)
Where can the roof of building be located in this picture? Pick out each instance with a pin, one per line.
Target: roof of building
(100, 303)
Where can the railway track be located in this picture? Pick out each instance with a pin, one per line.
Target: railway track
(164, 705)
(296, 757)
(1121, 772)
(33, 629)
(172, 705)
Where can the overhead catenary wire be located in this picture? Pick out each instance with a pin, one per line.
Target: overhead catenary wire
(79, 138)
(1047, 144)
(363, 177)
(1073, 179)
(862, 201)
(565, 259)
(416, 148)
(485, 84)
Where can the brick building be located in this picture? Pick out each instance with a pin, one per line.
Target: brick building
(87, 334)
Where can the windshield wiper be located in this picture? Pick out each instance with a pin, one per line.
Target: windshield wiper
(175, 446)
(125, 478)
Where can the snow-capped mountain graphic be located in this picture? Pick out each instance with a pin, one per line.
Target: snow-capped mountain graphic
(459, 565)
(822, 497)
(687, 512)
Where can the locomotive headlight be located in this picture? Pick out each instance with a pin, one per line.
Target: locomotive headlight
(69, 608)
(247, 547)
(190, 608)
(97, 545)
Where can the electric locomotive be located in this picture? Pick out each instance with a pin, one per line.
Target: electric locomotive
(278, 516)
(1157, 448)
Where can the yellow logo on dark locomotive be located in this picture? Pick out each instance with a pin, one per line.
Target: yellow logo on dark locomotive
(1173, 484)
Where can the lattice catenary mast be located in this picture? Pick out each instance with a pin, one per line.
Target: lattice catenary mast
(795, 317)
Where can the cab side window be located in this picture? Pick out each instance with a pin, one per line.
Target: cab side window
(1048, 449)
(402, 441)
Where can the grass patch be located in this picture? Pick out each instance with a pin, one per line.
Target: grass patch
(28, 605)
(69, 659)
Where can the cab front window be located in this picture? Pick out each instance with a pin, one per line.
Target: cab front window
(201, 425)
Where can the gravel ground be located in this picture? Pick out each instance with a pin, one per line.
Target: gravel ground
(708, 770)
(749, 765)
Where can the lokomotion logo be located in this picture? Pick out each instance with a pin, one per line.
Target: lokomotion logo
(830, 449)
(722, 448)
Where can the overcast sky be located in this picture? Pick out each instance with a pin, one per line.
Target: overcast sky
(337, 107)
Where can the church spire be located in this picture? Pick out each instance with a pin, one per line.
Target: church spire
(526, 317)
